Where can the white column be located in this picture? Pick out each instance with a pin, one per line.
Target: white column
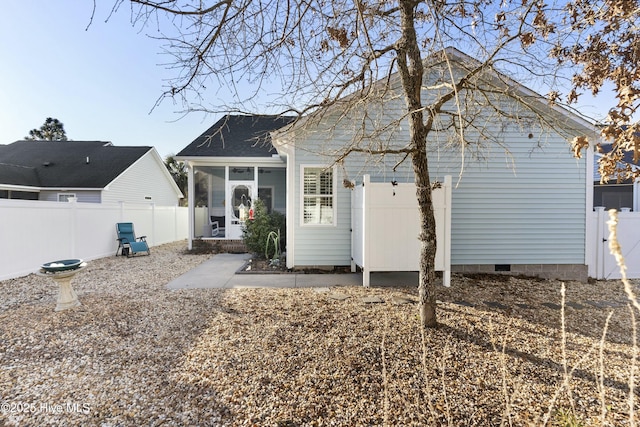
(191, 200)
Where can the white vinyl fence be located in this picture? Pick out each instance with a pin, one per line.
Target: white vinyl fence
(35, 232)
(386, 224)
(629, 238)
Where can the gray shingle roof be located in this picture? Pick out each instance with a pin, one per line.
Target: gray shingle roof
(63, 164)
(237, 136)
(627, 156)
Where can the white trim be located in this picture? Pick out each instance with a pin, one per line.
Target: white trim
(590, 224)
(230, 227)
(290, 208)
(234, 161)
(191, 197)
(334, 198)
(27, 188)
(227, 216)
(288, 153)
(11, 187)
(74, 189)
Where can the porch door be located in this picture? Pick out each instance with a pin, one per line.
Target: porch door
(239, 197)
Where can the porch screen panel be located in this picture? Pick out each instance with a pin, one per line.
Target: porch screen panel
(318, 196)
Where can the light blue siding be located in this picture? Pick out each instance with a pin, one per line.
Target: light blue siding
(528, 210)
(521, 201)
(322, 245)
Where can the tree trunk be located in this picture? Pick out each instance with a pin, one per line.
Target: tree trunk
(427, 280)
(411, 71)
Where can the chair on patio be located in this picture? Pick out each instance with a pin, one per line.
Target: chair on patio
(216, 221)
(217, 225)
(128, 244)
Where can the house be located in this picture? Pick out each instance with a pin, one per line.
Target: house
(85, 171)
(231, 164)
(519, 204)
(615, 194)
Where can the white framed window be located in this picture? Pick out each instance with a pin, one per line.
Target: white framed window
(67, 197)
(318, 195)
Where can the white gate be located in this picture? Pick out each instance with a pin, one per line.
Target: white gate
(629, 239)
(386, 224)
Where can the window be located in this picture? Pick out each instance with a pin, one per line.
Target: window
(318, 196)
(66, 197)
(613, 196)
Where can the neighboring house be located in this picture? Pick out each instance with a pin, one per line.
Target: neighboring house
(87, 171)
(230, 165)
(519, 206)
(614, 194)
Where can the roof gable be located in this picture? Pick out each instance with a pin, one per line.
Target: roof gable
(65, 164)
(237, 136)
(453, 61)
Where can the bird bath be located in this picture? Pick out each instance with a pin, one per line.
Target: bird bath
(62, 273)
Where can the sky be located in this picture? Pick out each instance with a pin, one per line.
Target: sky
(101, 82)
(101, 79)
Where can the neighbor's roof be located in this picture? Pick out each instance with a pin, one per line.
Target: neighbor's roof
(65, 164)
(237, 136)
(627, 159)
(627, 156)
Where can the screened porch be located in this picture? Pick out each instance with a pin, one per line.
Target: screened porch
(223, 197)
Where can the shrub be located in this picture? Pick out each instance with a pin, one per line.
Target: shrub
(256, 232)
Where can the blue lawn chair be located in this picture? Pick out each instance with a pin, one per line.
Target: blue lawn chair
(128, 244)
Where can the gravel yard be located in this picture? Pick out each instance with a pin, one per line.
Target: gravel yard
(135, 353)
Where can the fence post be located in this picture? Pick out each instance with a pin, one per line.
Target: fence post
(600, 240)
(446, 234)
(366, 259)
(153, 224)
(73, 206)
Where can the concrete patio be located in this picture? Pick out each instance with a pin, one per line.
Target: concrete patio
(221, 272)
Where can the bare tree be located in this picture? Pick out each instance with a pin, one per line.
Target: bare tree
(335, 55)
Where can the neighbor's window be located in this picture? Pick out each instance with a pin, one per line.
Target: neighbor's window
(318, 196)
(66, 197)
